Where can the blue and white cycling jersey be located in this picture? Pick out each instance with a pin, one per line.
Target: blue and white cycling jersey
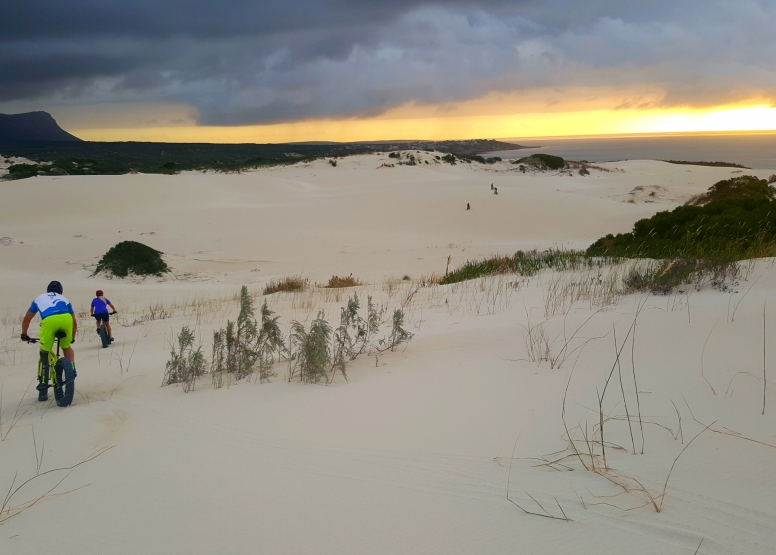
(50, 304)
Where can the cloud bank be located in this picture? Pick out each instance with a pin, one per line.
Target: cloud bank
(246, 62)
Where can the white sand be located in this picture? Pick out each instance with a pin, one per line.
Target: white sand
(411, 456)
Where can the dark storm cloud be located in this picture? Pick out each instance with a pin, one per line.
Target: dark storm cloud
(240, 61)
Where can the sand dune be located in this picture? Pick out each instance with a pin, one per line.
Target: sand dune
(417, 452)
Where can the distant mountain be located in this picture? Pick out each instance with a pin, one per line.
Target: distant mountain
(32, 126)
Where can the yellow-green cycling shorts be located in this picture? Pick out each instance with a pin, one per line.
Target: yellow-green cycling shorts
(49, 328)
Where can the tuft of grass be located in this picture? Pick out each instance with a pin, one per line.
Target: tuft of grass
(525, 264)
(336, 282)
(131, 257)
(663, 276)
(289, 284)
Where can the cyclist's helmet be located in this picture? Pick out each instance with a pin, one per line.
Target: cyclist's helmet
(99, 293)
(54, 287)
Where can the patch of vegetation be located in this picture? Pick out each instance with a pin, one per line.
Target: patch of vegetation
(524, 264)
(336, 282)
(663, 276)
(186, 363)
(131, 257)
(93, 158)
(711, 164)
(290, 284)
(738, 222)
(743, 187)
(22, 171)
(239, 349)
(543, 162)
(311, 349)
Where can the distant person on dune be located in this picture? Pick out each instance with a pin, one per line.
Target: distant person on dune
(468, 206)
(495, 190)
(100, 312)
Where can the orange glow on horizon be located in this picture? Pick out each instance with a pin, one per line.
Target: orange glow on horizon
(434, 124)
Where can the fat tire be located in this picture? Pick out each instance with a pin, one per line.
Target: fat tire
(65, 373)
(104, 336)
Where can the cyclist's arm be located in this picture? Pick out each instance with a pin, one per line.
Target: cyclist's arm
(26, 322)
(91, 311)
(75, 325)
(112, 307)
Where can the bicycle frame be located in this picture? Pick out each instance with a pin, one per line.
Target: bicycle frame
(52, 359)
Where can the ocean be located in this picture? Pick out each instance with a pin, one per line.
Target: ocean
(755, 150)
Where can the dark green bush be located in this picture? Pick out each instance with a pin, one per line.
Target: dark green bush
(131, 257)
(543, 161)
(737, 221)
(21, 171)
(743, 187)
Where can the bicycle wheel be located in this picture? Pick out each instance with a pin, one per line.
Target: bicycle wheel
(104, 336)
(64, 388)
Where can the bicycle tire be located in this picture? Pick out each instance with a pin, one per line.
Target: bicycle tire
(104, 336)
(65, 375)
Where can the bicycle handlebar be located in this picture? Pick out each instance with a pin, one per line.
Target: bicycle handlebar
(34, 340)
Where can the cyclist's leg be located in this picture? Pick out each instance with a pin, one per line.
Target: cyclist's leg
(43, 376)
(66, 325)
(48, 329)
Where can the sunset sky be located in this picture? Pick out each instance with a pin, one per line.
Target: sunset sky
(348, 70)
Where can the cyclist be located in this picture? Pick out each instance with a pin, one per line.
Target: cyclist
(100, 312)
(56, 315)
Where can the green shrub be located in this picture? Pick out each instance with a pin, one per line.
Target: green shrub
(131, 257)
(543, 161)
(743, 187)
(736, 221)
(398, 334)
(186, 364)
(311, 349)
(239, 349)
(22, 171)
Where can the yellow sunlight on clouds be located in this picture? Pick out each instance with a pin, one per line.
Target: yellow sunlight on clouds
(436, 123)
